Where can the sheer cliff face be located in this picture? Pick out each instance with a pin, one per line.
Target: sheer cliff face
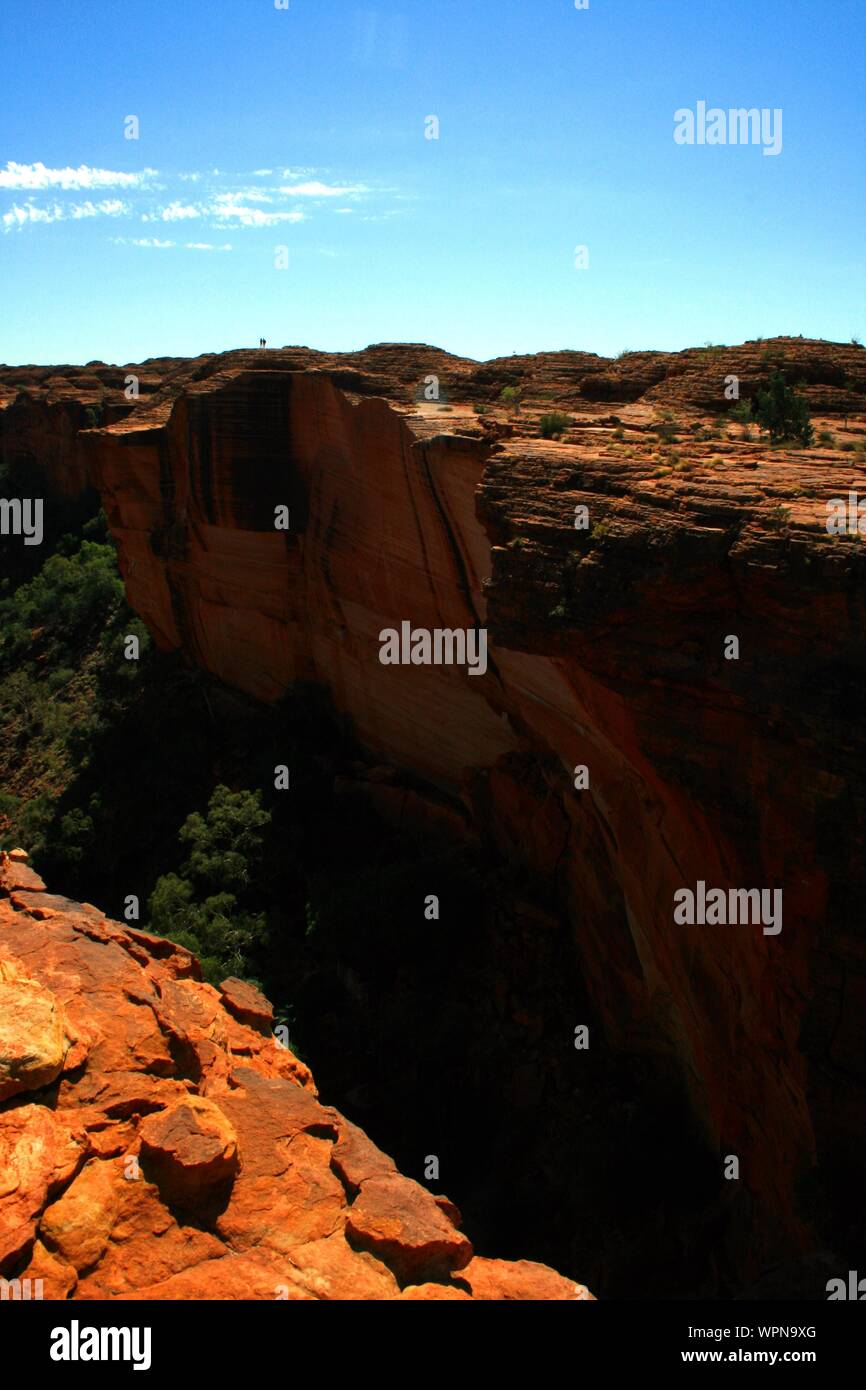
(607, 651)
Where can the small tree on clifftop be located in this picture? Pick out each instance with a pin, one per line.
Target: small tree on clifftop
(782, 413)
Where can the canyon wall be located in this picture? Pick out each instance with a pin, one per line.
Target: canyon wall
(607, 651)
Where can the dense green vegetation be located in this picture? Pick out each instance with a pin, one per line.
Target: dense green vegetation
(205, 905)
(63, 681)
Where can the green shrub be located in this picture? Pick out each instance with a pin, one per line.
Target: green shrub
(783, 414)
(553, 424)
(779, 516)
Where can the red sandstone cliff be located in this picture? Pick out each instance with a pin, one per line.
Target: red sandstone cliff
(606, 651)
(157, 1142)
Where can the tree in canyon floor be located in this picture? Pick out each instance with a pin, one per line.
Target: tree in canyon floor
(208, 905)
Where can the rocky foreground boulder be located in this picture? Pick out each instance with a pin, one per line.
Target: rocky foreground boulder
(157, 1141)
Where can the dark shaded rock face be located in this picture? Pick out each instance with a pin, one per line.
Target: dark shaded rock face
(610, 651)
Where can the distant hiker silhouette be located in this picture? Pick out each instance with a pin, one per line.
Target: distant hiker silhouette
(261, 342)
(264, 342)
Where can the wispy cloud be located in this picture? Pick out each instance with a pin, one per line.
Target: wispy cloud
(155, 243)
(19, 216)
(176, 212)
(39, 176)
(109, 207)
(226, 206)
(214, 199)
(245, 195)
(314, 189)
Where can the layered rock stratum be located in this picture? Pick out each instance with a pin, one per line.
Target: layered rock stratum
(157, 1141)
(607, 652)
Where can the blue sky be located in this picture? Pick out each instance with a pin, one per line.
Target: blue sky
(304, 128)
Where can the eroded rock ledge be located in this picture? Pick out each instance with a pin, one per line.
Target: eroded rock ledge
(157, 1142)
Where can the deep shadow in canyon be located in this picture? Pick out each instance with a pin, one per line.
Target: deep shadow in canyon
(452, 1038)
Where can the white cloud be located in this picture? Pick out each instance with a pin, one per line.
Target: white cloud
(20, 216)
(155, 242)
(17, 216)
(226, 206)
(314, 189)
(176, 212)
(246, 195)
(109, 207)
(219, 207)
(35, 176)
